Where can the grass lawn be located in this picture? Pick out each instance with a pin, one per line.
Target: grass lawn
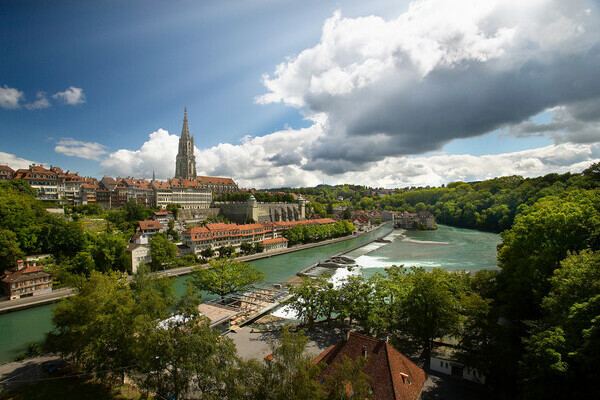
(70, 388)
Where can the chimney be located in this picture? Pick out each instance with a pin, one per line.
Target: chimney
(20, 265)
(364, 352)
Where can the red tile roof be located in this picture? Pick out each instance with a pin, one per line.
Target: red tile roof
(150, 224)
(393, 375)
(6, 168)
(274, 240)
(215, 180)
(163, 212)
(29, 272)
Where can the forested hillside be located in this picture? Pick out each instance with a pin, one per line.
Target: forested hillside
(487, 205)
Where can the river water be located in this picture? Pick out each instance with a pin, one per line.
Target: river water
(447, 247)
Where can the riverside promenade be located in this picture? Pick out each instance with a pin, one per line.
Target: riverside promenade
(56, 295)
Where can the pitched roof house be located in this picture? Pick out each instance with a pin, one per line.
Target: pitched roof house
(393, 375)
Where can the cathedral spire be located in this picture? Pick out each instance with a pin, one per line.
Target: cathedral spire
(185, 130)
(185, 163)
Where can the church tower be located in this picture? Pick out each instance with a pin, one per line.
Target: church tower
(185, 164)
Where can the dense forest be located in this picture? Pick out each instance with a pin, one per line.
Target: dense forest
(487, 205)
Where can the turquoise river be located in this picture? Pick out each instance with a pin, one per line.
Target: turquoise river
(447, 247)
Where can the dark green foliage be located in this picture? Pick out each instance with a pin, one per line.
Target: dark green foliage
(163, 251)
(541, 237)
(224, 276)
(110, 252)
(174, 208)
(207, 253)
(316, 233)
(126, 218)
(10, 252)
(33, 229)
(226, 251)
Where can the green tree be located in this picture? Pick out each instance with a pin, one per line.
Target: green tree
(162, 250)
(540, 238)
(347, 213)
(171, 232)
(225, 251)
(355, 295)
(305, 301)
(98, 326)
(174, 208)
(223, 276)
(246, 247)
(430, 308)
(207, 253)
(10, 252)
(258, 247)
(110, 253)
(289, 373)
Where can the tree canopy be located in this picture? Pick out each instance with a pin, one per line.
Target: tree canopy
(225, 275)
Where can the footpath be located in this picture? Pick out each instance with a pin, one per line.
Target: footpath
(56, 295)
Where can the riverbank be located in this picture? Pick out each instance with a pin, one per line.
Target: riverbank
(21, 304)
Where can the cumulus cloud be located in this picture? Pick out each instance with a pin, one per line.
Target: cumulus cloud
(381, 92)
(88, 150)
(273, 161)
(440, 71)
(41, 102)
(156, 154)
(577, 123)
(15, 162)
(72, 96)
(10, 97)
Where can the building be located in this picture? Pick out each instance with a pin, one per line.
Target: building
(443, 360)
(217, 185)
(185, 163)
(420, 220)
(219, 234)
(163, 216)
(393, 375)
(25, 280)
(251, 209)
(140, 255)
(274, 244)
(6, 173)
(44, 181)
(147, 229)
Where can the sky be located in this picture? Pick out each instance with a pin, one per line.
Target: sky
(298, 93)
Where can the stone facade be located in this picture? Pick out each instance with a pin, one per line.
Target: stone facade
(185, 164)
(263, 212)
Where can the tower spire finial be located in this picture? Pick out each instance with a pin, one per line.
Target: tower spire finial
(185, 130)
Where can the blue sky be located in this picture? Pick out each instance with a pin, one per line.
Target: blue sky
(108, 75)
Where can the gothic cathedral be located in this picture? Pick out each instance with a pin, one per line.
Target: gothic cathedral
(185, 164)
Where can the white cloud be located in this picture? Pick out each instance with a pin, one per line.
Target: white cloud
(276, 160)
(440, 71)
(41, 102)
(381, 91)
(10, 97)
(156, 154)
(15, 162)
(72, 96)
(88, 150)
